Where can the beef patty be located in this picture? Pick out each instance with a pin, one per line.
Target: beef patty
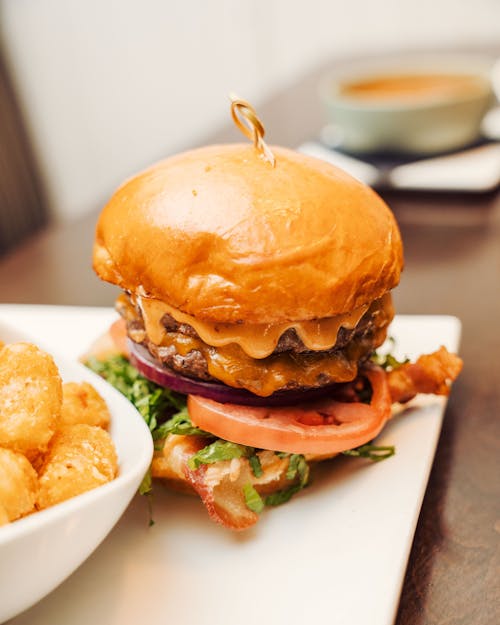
(192, 362)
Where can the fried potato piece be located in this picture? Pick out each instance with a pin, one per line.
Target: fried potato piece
(4, 518)
(30, 398)
(80, 458)
(83, 404)
(18, 485)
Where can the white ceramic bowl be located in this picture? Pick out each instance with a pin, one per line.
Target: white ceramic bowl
(422, 125)
(39, 551)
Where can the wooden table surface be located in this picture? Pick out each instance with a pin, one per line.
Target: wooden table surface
(452, 252)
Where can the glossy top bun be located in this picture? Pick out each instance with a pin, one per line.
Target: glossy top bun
(220, 234)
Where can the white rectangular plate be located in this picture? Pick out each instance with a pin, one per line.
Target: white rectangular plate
(336, 553)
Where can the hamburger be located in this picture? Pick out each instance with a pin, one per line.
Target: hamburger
(256, 294)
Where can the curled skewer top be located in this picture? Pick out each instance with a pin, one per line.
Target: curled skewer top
(246, 120)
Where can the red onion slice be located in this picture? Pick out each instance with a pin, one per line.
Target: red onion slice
(152, 369)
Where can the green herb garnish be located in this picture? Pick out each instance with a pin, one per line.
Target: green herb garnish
(155, 403)
(297, 466)
(388, 361)
(282, 496)
(376, 453)
(146, 488)
(180, 423)
(162, 410)
(252, 499)
(255, 465)
(224, 450)
(217, 451)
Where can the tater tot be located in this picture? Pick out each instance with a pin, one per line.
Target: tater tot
(80, 457)
(30, 398)
(18, 485)
(83, 404)
(4, 518)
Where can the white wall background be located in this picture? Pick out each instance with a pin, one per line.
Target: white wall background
(109, 86)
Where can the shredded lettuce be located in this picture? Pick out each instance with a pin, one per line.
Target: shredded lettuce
(155, 403)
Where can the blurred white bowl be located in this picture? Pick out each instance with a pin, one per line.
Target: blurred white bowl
(438, 121)
(41, 550)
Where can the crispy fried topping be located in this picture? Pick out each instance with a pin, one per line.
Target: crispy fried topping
(431, 373)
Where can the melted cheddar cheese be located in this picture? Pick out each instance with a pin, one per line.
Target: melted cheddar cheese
(256, 340)
(230, 353)
(264, 376)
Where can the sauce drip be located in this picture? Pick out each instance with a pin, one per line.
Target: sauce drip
(256, 340)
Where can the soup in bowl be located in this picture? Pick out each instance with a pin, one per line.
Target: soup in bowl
(421, 108)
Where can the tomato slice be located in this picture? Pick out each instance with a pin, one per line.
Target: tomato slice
(322, 427)
(118, 333)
